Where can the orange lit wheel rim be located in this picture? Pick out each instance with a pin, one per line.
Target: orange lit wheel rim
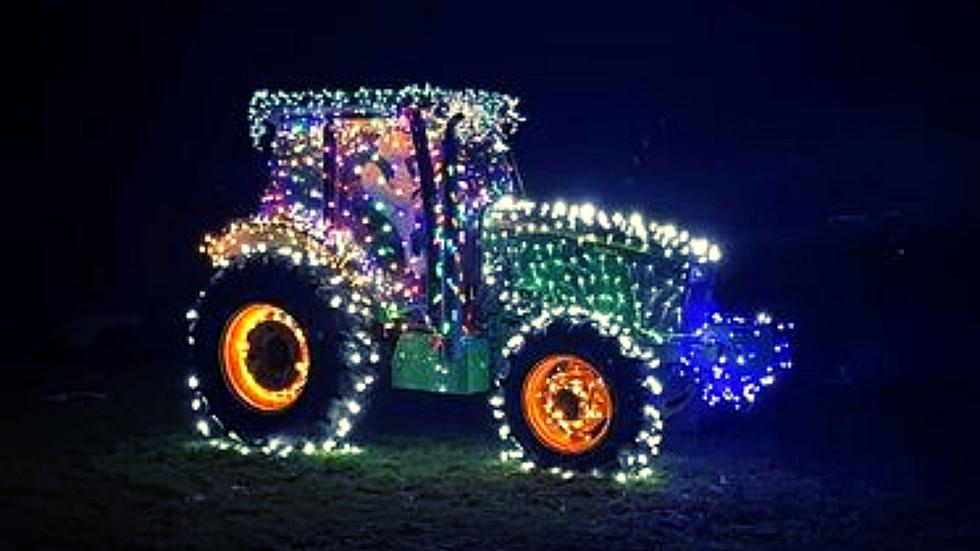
(567, 404)
(264, 357)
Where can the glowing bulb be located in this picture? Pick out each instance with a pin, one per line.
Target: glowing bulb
(587, 213)
(203, 428)
(699, 246)
(654, 385)
(343, 427)
(714, 253)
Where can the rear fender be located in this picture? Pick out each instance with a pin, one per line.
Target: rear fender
(300, 241)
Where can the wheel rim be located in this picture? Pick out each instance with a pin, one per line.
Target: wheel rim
(265, 358)
(567, 404)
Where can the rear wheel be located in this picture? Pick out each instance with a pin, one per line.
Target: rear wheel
(280, 352)
(572, 399)
(265, 358)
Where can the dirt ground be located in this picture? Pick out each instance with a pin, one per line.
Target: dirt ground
(120, 470)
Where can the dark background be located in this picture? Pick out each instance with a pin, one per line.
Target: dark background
(832, 148)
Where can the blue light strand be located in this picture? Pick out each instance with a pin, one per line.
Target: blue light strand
(732, 358)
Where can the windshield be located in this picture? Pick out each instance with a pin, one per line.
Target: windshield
(376, 185)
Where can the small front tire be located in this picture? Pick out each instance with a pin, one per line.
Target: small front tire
(573, 400)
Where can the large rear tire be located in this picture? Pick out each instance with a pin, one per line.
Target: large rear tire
(280, 352)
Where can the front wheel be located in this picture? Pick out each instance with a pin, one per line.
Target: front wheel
(575, 399)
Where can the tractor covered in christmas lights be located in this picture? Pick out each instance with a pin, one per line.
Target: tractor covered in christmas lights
(394, 245)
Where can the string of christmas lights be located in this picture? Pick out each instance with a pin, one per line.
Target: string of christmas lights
(545, 255)
(402, 200)
(633, 461)
(358, 348)
(488, 116)
(731, 358)
(623, 275)
(360, 146)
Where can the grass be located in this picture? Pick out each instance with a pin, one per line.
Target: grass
(120, 472)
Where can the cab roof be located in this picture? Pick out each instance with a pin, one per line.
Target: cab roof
(487, 116)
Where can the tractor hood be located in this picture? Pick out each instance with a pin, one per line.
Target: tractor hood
(630, 269)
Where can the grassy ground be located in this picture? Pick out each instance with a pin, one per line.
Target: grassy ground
(119, 470)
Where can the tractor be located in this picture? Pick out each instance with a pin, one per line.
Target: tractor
(394, 246)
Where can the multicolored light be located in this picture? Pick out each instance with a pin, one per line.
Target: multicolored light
(346, 196)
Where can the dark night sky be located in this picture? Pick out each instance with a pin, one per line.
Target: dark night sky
(760, 126)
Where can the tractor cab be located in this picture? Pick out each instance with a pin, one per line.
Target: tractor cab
(406, 176)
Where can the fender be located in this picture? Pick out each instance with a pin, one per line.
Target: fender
(301, 241)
